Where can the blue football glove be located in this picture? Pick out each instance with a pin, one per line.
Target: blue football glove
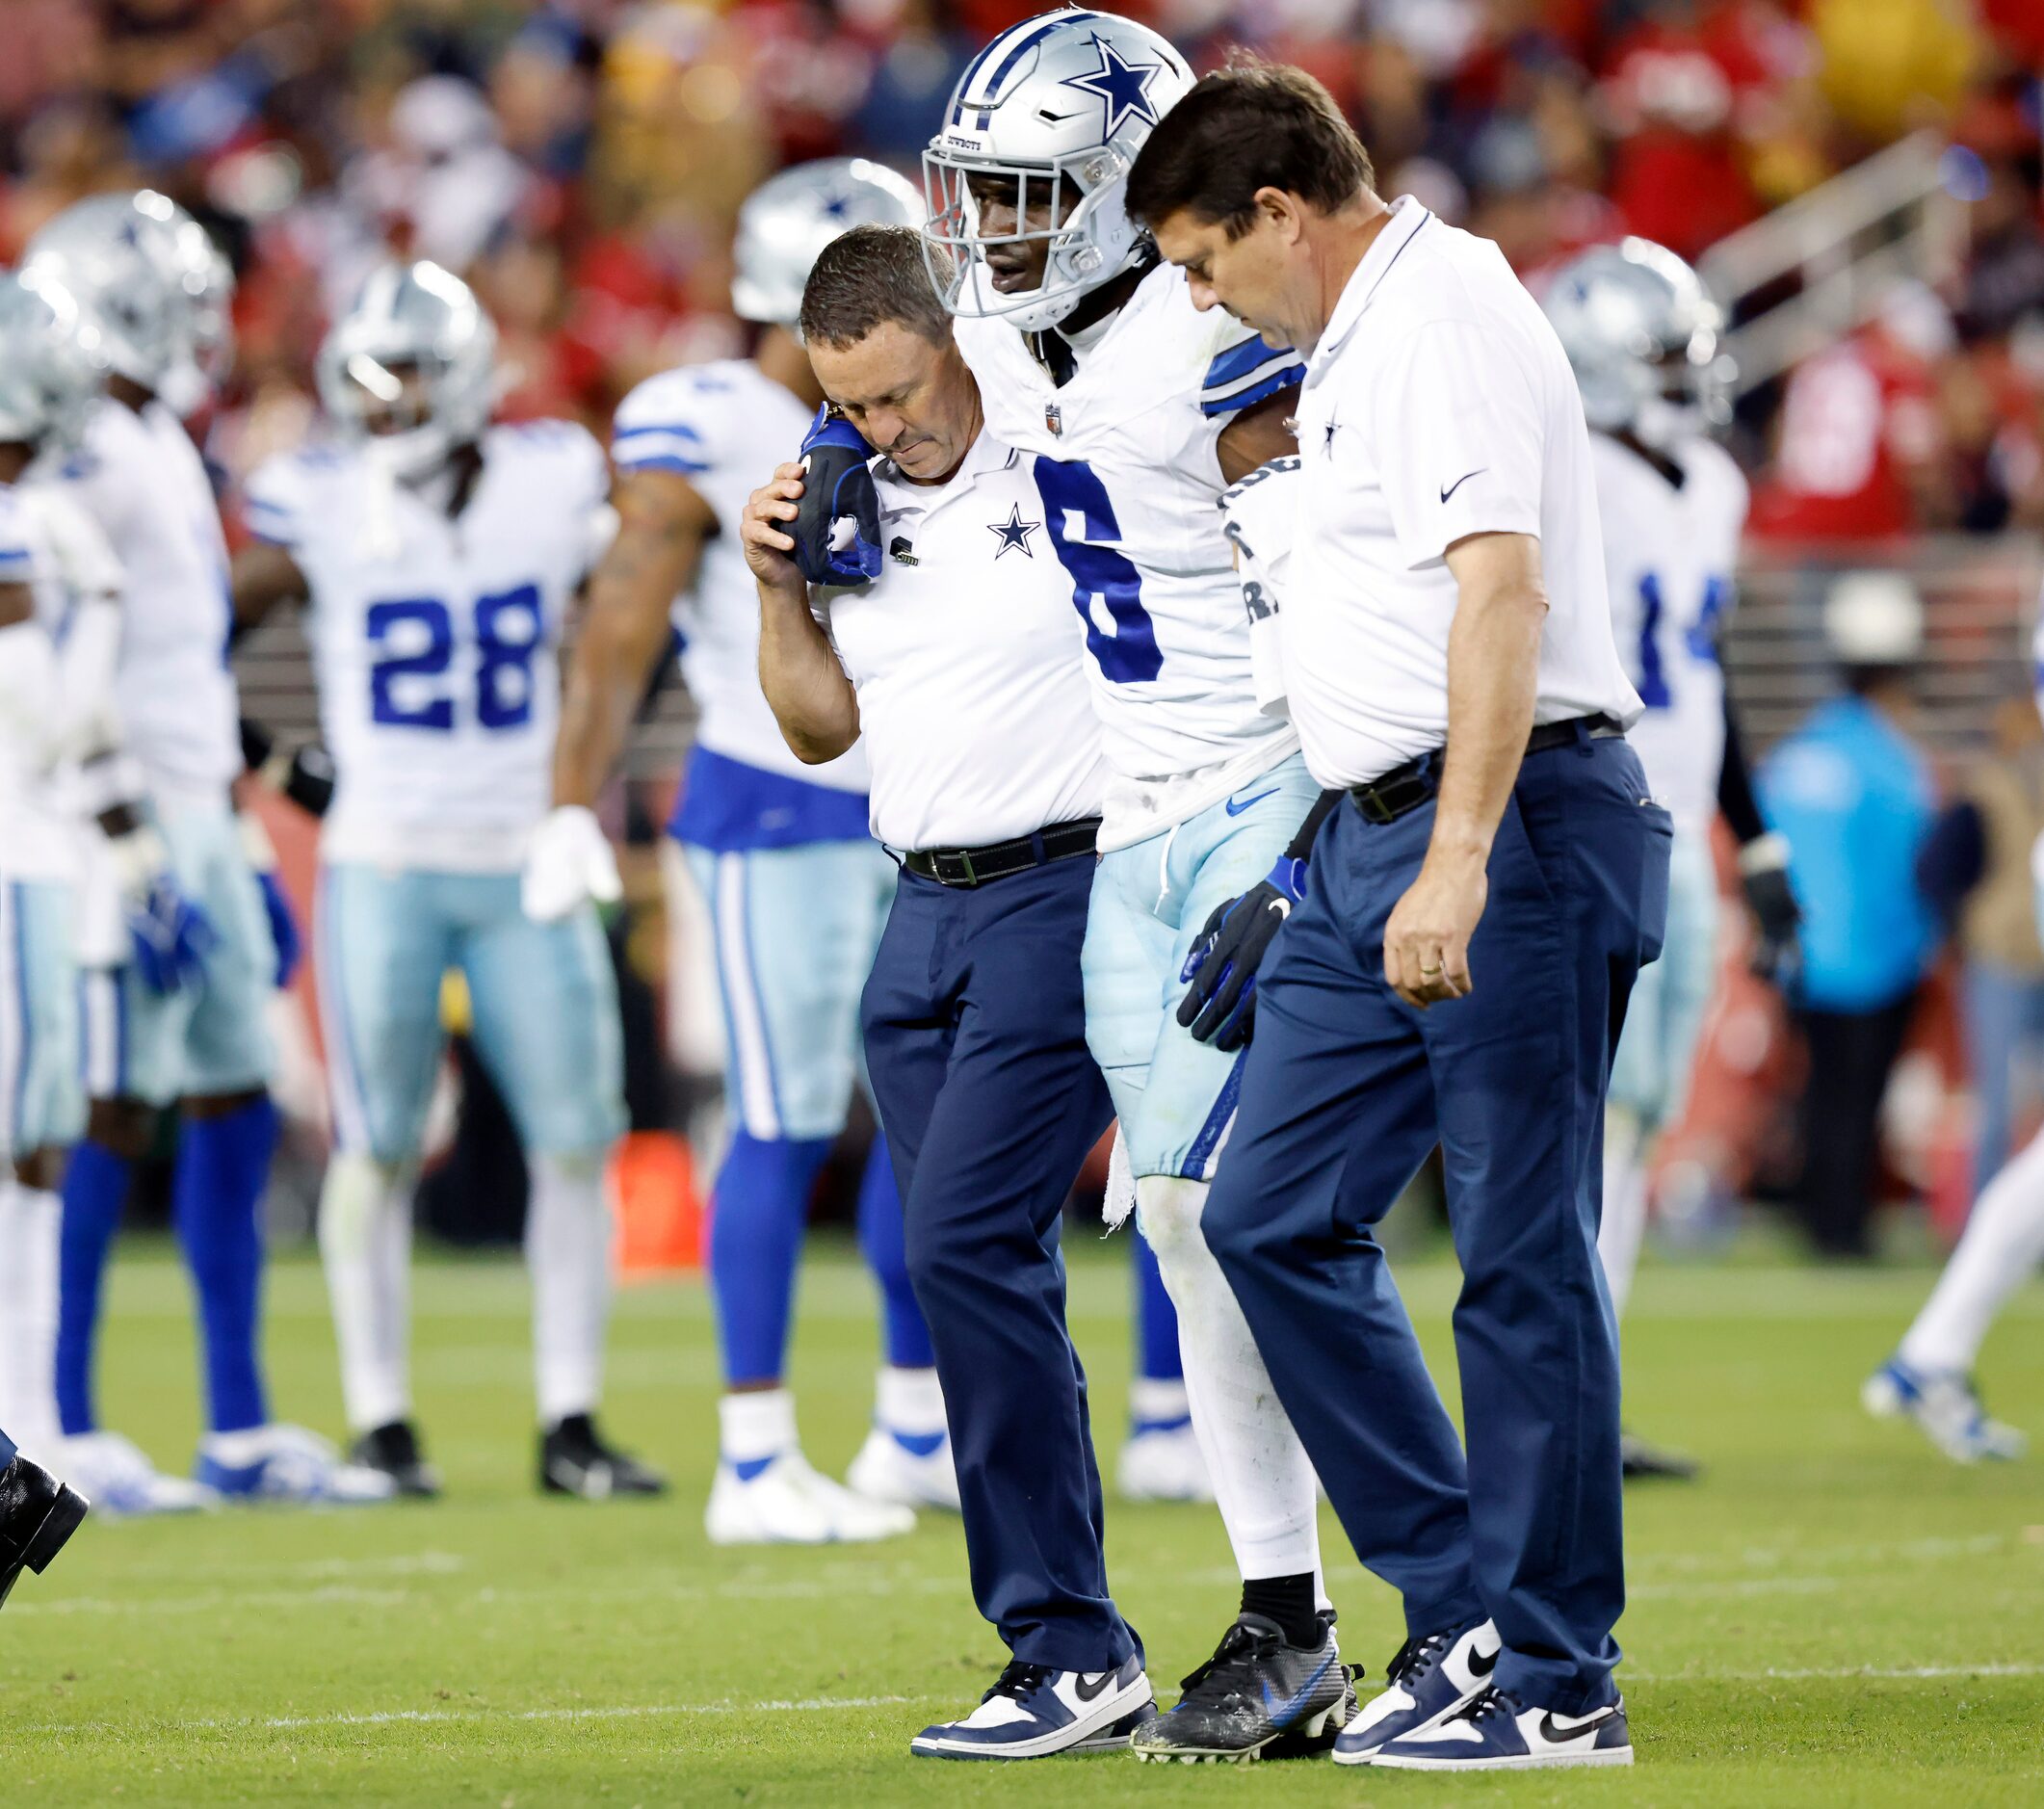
(837, 487)
(1220, 1004)
(169, 936)
(283, 929)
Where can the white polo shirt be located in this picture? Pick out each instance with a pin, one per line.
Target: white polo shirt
(969, 662)
(1438, 405)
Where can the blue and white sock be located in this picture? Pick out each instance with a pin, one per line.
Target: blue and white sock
(758, 1212)
(96, 1188)
(755, 1428)
(905, 1337)
(216, 1202)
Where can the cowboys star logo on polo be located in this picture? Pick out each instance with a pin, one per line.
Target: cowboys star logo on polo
(1123, 87)
(1013, 532)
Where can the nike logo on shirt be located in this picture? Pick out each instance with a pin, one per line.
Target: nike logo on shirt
(1235, 810)
(1461, 480)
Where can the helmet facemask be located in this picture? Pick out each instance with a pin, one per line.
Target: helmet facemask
(1071, 208)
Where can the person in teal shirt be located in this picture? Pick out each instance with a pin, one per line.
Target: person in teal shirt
(1854, 796)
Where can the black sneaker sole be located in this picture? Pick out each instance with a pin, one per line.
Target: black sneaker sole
(1316, 1734)
(63, 1517)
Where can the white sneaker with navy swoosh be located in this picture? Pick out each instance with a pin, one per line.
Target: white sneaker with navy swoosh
(1033, 1712)
(1498, 1733)
(1431, 1678)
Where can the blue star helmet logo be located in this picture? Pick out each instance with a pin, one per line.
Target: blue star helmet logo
(1123, 87)
(1013, 532)
(836, 205)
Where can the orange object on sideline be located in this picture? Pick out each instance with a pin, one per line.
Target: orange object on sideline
(658, 1212)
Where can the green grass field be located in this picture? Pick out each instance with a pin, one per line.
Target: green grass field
(1834, 1616)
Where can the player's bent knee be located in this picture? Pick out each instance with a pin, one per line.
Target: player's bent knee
(1169, 1210)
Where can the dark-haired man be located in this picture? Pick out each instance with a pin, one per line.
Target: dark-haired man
(1475, 913)
(949, 649)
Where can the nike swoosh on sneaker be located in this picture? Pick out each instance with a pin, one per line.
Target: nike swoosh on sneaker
(1483, 1663)
(1235, 810)
(1086, 1692)
(1590, 1724)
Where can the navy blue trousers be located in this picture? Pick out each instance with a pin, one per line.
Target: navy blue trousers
(1346, 1091)
(975, 1042)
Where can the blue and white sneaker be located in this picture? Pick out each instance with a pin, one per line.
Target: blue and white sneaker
(287, 1464)
(1947, 1407)
(121, 1483)
(1498, 1733)
(1033, 1712)
(1429, 1679)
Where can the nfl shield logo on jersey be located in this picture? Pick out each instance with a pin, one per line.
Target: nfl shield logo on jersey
(1053, 417)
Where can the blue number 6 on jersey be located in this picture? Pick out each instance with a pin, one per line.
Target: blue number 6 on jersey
(1128, 654)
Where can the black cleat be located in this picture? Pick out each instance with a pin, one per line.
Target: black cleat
(1257, 1691)
(574, 1460)
(38, 1513)
(1643, 1462)
(395, 1451)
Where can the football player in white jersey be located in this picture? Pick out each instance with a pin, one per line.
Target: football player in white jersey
(1140, 411)
(1643, 335)
(438, 556)
(181, 1023)
(59, 625)
(794, 885)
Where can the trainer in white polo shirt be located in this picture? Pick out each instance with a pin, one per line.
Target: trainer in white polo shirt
(951, 646)
(1437, 406)
(1475, 912)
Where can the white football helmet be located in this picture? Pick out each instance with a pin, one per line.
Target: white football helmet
(788, 220)
(1644, 336)
(1058, 106)
(150, 276)
(410, 367)
(51, 363)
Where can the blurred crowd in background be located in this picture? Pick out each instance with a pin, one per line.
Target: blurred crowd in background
(581, 161)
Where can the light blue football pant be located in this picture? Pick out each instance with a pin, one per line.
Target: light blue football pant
(42, 1103)
(1176, 1097)
(1664, 1024)
(208, 1037)
(543, 996)
(795, 932)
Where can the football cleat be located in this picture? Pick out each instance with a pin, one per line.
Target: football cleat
(781, 1501)
(1946, 1405)
(911, 1470)
(121, 1483)
(1496, 1732)
(286, 1464)
(1163, 1463)
(1643, 1462)
(37, 1514)
(1033, 1712)
(575, 1460)
(1431, 1678)
(1256, 1689)
(395, 1451)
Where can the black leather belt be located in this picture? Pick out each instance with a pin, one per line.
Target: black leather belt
(1405, 788)
(997, 860)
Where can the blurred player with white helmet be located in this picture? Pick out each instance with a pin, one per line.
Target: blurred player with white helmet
(59, 628)
(1643, 337)
(178, 1019)
(1140, 411)
(794, 887)
(437, 557)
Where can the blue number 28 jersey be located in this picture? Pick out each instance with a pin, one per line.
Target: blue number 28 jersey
(434, 639)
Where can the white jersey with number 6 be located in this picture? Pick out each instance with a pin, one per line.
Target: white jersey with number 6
(434, 639)
(1669, 555)
(1129, 479)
